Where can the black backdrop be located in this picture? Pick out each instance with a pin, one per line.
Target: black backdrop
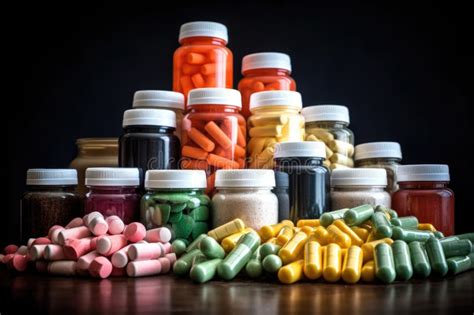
(402, 71)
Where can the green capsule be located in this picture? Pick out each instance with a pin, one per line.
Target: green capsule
(199, 259)
(200, 213)
(327, 218)
(382, 228)
(172, 198)
(449, 239)
(384, 263)
(211, 248)
(185, 262)
(184, 227)
(204, 271)
(458, 264)
(193, 202)
(419, 260)
(178, 207)
(195, 244)
(239, 256)
(438, 234)
(409, 236)
(409, 222)
(358, 215)
(401, 257)
(254, 265)
(269, 249)
(471, 257)
(391, 213)
(272, 263)
(179, 246)
(457, 248)
(434, 249)
(466, 236)
(251, 240)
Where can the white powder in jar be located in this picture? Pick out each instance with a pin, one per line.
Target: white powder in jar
(352, 198)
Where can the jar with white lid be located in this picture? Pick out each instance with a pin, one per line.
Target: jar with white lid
(247, 195)
(358, 186)
(387, 155)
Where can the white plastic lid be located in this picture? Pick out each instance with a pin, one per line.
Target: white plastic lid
(245, 178)
(276, 98)
(149, 117)
(423, 173)
(203, 29)
(158, 99)
(300, 149)
(112, 176)
(326, 113)
(51, 177)
(215, 96)
(192, 179)
(378, 150)
(359, 177)
(266, 60)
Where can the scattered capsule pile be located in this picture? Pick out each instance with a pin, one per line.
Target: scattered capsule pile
(362, 243)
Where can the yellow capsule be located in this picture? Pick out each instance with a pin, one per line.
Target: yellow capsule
(426, 227)
(368, 248)
(273, 240)
(290, 251)
(313, 262)
(352, 266)
(292, 272)
(231, 227)
(307, 229)
(371, 237)
(229, 242)
(368, 271)
(312, 223)
(361, 232)
(355, 239)
(338, 237)
(269, 231)
(332, 263)
(343, 253)
(286, 233)
(321, 235)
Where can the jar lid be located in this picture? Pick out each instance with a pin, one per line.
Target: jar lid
(175, 179)
(300, 149)
(373, 150)
(203, 29)
(276, 98)
(359, 177)
(149, 117)
(158, 99)
(245, 178)
(112, 176)
(326, 113)
(423, 173)
(51, 177)
(215, 96)
(266, 60)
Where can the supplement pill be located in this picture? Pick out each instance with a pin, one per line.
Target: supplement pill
(384, 263)
(434, 249)
(419, 260)
(204, 271)
(358, 215)
(401, 256)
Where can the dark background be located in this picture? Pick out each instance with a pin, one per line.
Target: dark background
(402, 71)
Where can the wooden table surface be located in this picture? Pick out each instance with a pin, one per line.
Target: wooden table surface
(168, 294)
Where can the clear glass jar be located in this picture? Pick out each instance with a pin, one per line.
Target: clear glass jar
(264, 72)
(93, 152)
(275, 118)
(355, 187)
(329, 124)
(50, 199)
(203, 60)
(113, 191)
(387, 155)
(245, 194)
(176, 199)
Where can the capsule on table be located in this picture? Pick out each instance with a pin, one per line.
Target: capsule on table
(382, 228)
(269, 231)
(272, 263)
(321, 235)
(185, 262)
(291, 273)
(419, 260)
(327, 218)
(211, 248)
(332, 263)
(313, 263)
(384, 263)
(337, 236)
(290, 251)
(227, 229)
(434, 249)
(438, 234)
(457, 248)
(387, 211)
(195, 244)
(409, 236)
(426, 227)
(355, 239)
(285, 235)
(449, 239)
(229, 242)
(179, 246)
(368, 271)
(458, 264)
(401, 257)
(198, 259)
(466, 236)
(204, 271)
(361, 232)
(409, 222)
(308, 222)
(269, 249)
(358, 215)
(352, 265)
(253, 268)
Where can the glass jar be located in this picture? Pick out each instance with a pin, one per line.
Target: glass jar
(264, 72)
(275, 118)
(424, 193)
(203, 60)
(162, 100)
(50, 200)
(247, 195)
(176, 199)
(93, 152)
(308, 177)
(359, 186)
(387, 155)
(113, 191)
(214, 134)
(148, 141)
(282, 192)
(329, 124)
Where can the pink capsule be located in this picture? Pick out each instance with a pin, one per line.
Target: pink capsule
(36, 252)
(62, 268)
(165, 264)
(98, 226)
(22, 250)
(100, 267)
(162, 235)
(18, 262)
(6, 259)
(41, 241)
(143, 268)
(54, 252)
(75, 223)
(144, 251)
(116, 225)
(10, 249)
(53, 233)
(75, 248)
(171, 257)
(77, 233)
(166, 248)
(84, 262)
(109, 244)
(135, 232)
(91, 216)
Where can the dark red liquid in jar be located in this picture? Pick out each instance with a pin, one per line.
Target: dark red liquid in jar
(430, 202)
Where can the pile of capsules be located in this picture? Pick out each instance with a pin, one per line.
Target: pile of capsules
(352, 244)
(95, 246)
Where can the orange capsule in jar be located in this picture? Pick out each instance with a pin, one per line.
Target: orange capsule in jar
(202, 60)
(266, 71)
